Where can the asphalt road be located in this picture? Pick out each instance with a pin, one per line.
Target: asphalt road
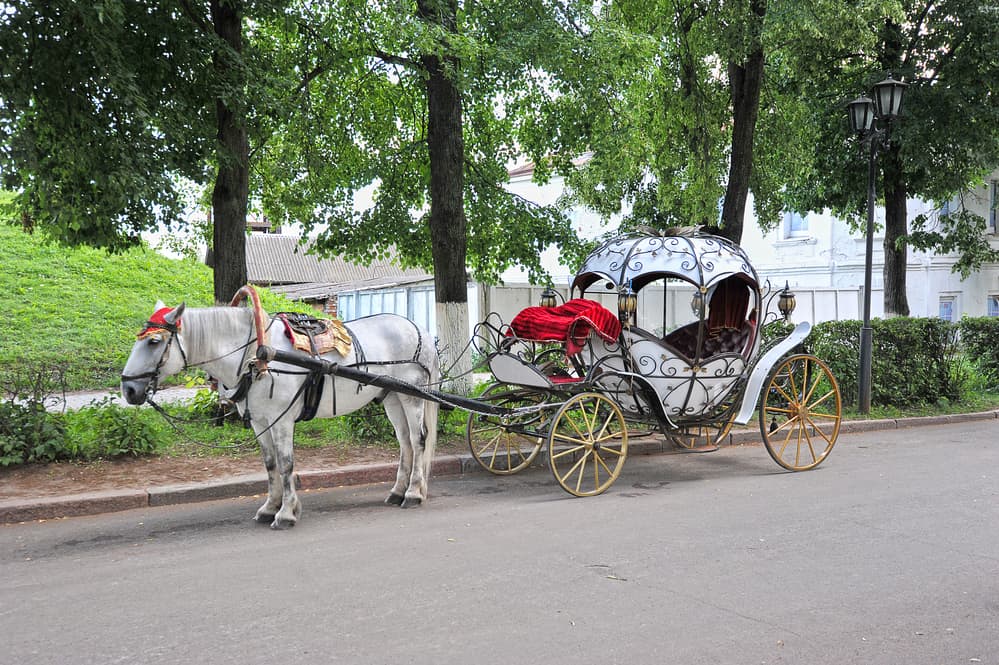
(888, 553)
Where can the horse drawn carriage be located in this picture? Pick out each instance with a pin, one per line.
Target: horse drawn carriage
(601, 375)
(575, 376)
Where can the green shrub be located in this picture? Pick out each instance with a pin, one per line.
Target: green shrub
(105, 430)
(28, 433)
(773, 332)
(912, 360)
(979, 340)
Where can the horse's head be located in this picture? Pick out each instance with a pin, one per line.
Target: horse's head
(153, 354)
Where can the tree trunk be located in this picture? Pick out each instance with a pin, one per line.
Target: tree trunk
(446, 144)
(232, 180)
(896, 226)
(745, 81)
(896, 223)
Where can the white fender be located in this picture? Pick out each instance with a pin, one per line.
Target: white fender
(763, 367)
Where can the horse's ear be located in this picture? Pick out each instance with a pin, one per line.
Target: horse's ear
(159, 305)
(174, 315)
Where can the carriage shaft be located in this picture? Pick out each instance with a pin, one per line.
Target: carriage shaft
(304, 360)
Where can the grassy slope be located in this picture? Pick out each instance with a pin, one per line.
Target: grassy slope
(82, 307)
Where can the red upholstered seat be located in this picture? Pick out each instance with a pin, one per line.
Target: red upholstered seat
(570, 323)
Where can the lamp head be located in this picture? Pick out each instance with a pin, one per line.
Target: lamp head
(627, 303)
(786, 302)
(549, 297)
(861, 111)
(888, 97)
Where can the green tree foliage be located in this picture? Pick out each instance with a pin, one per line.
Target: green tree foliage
(101, 105)
(364, 120)
(683, 107)
(946, 140)
(104, 106)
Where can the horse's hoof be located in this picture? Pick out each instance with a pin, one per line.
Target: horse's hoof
(281, 524)
(395, 499)
(414, 502)
(263, 518)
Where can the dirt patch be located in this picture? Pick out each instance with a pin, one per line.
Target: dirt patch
(65, 478)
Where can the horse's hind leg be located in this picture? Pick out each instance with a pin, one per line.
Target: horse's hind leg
(397, 416)
(406, 414)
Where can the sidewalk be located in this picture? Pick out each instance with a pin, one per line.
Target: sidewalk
(74, 505)
(78, 400)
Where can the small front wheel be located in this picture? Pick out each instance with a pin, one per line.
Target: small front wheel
(703, 438)
(588, 444)
(504, 445)
(800, 413)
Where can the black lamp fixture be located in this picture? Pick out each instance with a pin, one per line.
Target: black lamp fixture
(786, 303)
(697, 302)
(871, 119)
(549, 297)
(885, 106)
(627, 303)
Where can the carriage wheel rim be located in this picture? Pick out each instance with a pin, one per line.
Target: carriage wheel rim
(800, 413)
(496, 449)
(587, 444)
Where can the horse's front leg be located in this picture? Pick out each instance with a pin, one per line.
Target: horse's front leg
(283, 435)
(275, 488)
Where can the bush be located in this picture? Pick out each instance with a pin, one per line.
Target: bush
(28, 433)
(105, 430)
(979, 337)
(913, 359)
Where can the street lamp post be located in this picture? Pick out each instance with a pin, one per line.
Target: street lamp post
(871, 119)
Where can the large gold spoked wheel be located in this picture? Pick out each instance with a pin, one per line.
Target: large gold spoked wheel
(800, 413)
(504, 445)
(588, 444)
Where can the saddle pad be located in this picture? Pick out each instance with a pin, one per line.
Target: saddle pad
(326, 334)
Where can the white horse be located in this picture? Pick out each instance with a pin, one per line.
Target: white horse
(222, 341)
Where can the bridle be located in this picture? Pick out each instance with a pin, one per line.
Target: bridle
(172, 331)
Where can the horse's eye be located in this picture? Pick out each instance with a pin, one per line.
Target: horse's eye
(155, 339)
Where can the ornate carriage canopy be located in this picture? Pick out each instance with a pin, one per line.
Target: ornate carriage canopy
(636, 259)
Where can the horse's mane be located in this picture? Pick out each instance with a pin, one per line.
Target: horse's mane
(208, 326)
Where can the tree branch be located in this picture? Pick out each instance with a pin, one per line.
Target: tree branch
(918, 29)
(197, 20)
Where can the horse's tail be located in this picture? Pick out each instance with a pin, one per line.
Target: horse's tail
(431, 411)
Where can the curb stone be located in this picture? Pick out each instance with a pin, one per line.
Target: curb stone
(94, 503)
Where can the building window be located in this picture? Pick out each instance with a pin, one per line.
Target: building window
(795, 225)
(945, 208)
(947, 308)
(993, 306)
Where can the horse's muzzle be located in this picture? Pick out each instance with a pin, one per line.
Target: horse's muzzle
(134, 390)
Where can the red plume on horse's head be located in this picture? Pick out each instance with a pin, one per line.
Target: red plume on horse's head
(164, 318)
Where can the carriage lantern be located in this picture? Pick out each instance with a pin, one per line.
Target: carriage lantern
(697, 304)
(548, 297)
(786, 302)
(627, 303)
